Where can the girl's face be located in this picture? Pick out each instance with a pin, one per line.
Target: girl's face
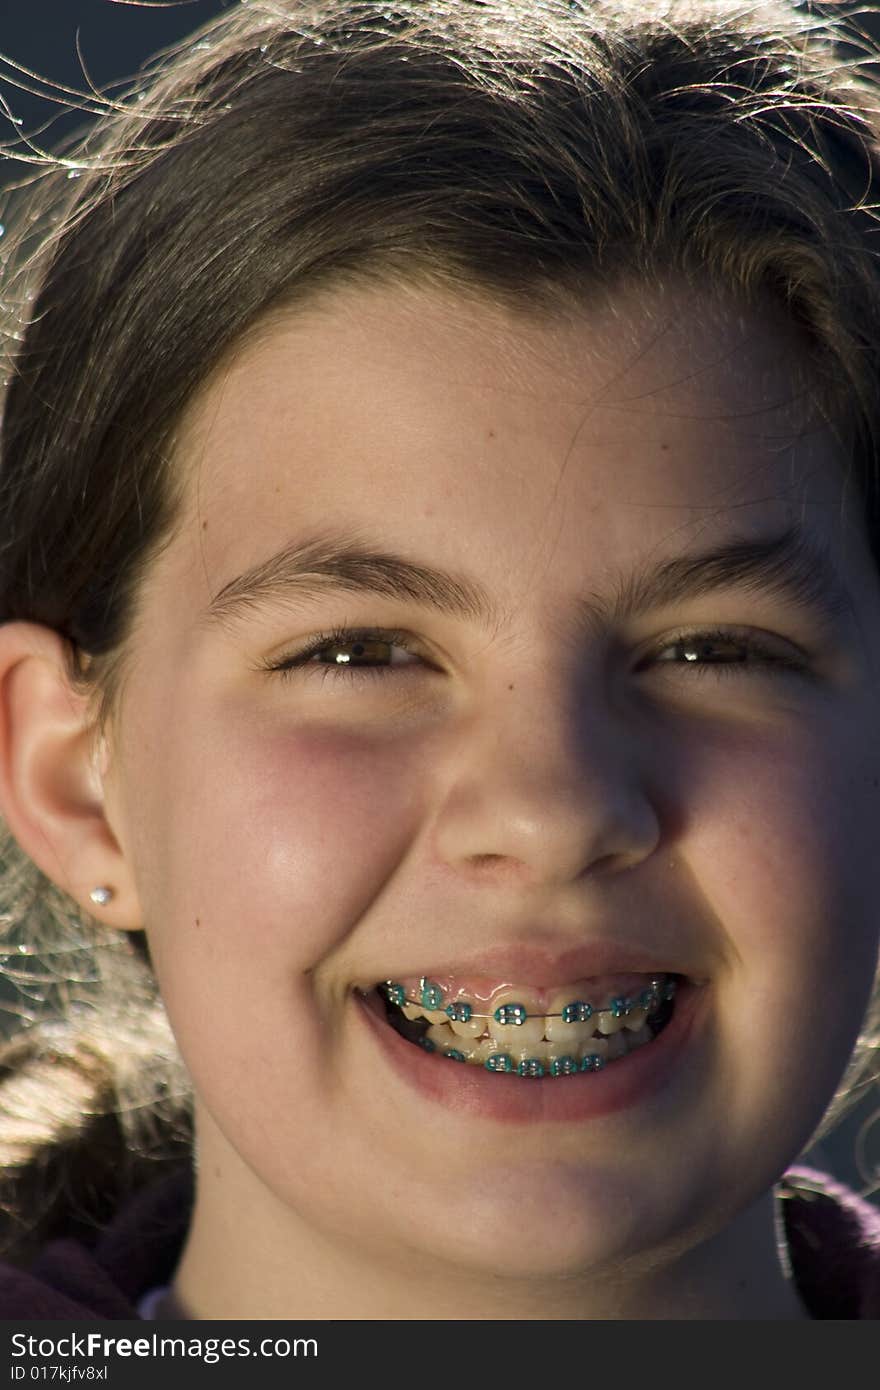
(535, 774)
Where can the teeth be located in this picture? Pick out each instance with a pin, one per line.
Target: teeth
(444, 1040)
(413, 1011)
(531, 1066)
(552, 1028)
(521, 1052)
(478, 1051)
(543, 1039)
(635, 1020)
(516, 1035)
(474, 1049)
(608, 1024)
(566, 1065)
(596, 1047)
(616, 1046)
(473, 1028)
(454, 1003)
(430, 994)
(500, 1062)
(484, 1049)
(568, 1035)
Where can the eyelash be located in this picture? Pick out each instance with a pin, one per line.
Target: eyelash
(758, 654)
(344, 636)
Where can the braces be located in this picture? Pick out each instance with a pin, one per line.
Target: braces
(529, 1066)
(578, 1011)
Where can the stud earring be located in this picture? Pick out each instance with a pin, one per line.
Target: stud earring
(101, 896)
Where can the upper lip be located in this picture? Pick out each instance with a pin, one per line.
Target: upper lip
(545, 968)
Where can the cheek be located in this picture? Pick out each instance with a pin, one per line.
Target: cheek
(788, 864)
(795, 850)
(273, 837)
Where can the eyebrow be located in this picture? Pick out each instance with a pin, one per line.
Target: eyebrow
(790, 565)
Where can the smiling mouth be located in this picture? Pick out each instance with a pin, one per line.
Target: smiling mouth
(574, 1036)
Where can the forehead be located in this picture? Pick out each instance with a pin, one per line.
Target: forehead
(433, 420)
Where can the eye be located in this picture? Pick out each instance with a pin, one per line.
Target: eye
(356, 654)
(728, 652)
(352, 653)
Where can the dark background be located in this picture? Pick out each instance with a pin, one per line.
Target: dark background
(117, 36)
(113, 40)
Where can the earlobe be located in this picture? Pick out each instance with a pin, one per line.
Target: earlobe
(51, 789)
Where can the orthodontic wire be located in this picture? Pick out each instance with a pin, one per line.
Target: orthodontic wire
(461, 1012)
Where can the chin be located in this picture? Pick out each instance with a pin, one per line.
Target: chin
(548, 1220)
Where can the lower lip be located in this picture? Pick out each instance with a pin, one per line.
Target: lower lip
(463, 1087)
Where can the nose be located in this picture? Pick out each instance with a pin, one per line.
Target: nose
(542, 787)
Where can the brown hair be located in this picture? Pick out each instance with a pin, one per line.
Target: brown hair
(528, 149)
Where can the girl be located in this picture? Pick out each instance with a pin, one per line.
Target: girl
(440, 660)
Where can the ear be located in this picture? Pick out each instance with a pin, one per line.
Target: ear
(51, 790)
